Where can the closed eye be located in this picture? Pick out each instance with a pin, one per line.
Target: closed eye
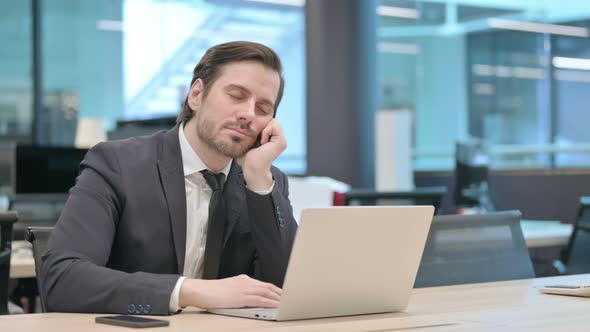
(236, 96)
(263, 109)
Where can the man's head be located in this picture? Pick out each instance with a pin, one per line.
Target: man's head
(209, 68)
(235, 92)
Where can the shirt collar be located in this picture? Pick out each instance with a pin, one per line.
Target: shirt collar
(191, 163)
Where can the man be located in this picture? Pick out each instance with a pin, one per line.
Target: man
(152, 227)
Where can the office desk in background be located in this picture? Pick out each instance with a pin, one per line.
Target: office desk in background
(497, 306)
(22, 267)
(540, 233)
(537, 234)
(418, 196)
(22, 263)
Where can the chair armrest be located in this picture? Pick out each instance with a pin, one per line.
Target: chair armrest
(5, 257)
(559, 267)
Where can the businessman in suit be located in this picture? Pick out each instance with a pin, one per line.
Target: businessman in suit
(192, 216)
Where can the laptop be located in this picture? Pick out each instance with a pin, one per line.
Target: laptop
(350, 260)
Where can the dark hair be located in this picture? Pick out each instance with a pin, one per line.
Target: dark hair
(216, 57)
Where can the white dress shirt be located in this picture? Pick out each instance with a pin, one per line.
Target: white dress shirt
(198, 194)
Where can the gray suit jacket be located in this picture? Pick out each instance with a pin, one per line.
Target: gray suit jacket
(119, 244)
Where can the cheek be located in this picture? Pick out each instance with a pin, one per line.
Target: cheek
(214, 119)
(260, 124)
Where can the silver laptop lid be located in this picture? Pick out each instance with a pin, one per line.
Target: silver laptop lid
(354, 260)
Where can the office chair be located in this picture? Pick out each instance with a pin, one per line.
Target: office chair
(419, 196)
(576, 258)
(7, 219)
(463, 249)
(471, 175)
(39, 237)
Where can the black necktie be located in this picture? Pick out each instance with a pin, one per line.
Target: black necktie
(214, 242)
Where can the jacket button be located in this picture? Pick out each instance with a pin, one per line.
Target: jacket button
(131, 308)
(147, 308)
(139, 309)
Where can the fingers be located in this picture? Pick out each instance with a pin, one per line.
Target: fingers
(274, 288)
(269, 290)
(265, 292)
(234, 292)
(267, 132)
(262, 294)
(273, 131)
(267, 285)
(260, 301)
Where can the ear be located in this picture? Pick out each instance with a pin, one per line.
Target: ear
(195, 95)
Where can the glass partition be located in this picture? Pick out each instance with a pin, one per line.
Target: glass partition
(121, 60)
(512, 73)
(15, 67)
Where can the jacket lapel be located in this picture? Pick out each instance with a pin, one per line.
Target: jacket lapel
(234, 197)
(172, 179)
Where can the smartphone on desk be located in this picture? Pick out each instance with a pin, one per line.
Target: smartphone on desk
(131, 321)
(572, 290)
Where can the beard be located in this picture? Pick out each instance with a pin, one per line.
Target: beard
(237, 147)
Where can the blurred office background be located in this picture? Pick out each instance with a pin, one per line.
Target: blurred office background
(494, 87)
(464, 68)
(511, 74)
(129, 60)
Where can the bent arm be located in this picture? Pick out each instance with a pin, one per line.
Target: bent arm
(273, 230)
(75, 277)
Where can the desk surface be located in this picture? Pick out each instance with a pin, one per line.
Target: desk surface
(508, 306)
(539, 233)
(22, 263)
(22, 267)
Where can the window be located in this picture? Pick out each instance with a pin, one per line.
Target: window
(15, 65)
(504, 71)
(133, 59)
(164, 40)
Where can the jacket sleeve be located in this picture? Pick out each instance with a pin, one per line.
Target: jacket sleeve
(75, 277)
(273, 230)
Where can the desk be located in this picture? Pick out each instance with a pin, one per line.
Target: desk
(536, 234)
(22, 267)
(496, 306)
(22, 263)
(539, 233)
(419, 196)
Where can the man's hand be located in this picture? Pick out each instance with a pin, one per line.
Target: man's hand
(236, 292)
(256, 163)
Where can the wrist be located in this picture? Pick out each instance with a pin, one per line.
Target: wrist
(189, 293)
(258, 180)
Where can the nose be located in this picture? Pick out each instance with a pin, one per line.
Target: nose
(247, 111)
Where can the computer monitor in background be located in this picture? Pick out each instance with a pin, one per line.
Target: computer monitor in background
(42, 177)
(45, 169)
(471, 175)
